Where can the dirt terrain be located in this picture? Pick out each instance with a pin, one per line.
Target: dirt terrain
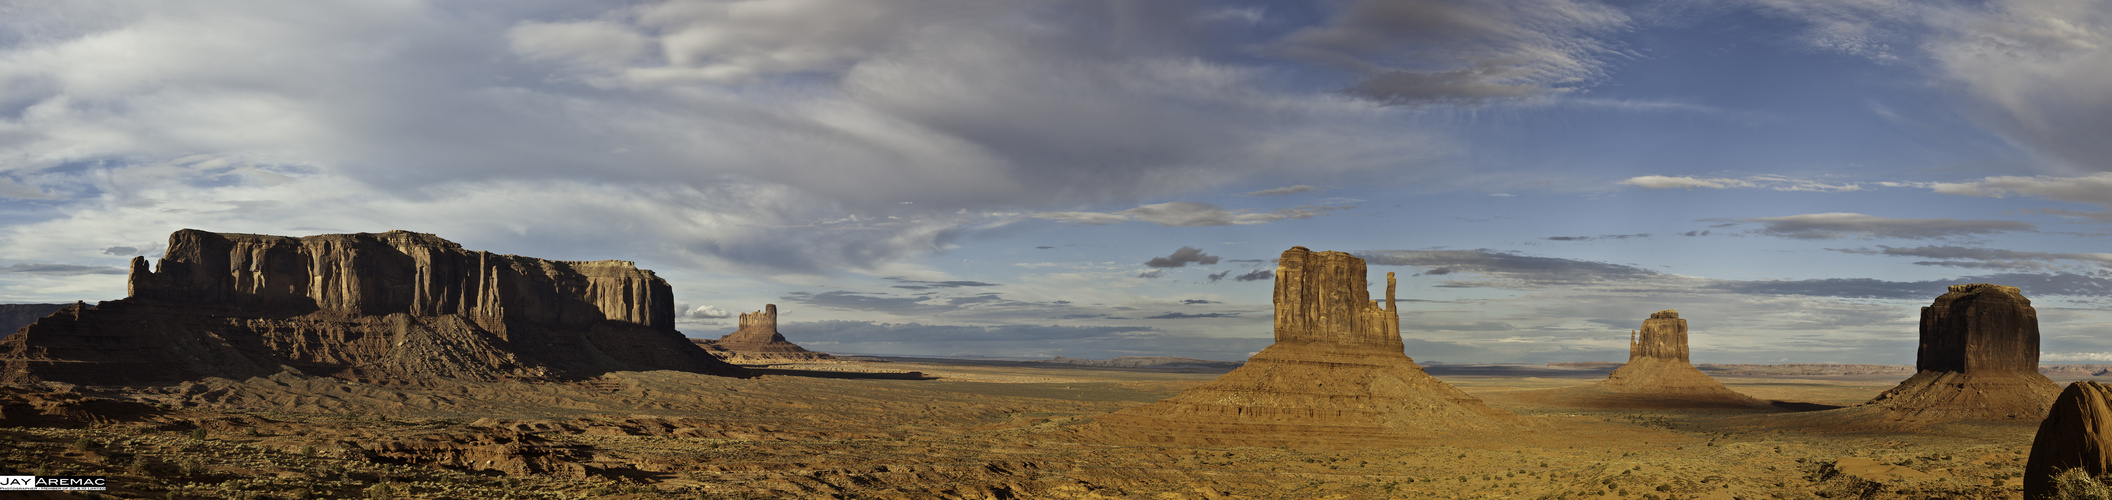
(865, 428)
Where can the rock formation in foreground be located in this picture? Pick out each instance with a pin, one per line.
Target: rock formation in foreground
(758, 342)
(2077, 433)
(1979, 359)
(396, 307)
(1658, 373)
(1336, 377)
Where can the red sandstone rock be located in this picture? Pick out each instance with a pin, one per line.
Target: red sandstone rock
(757, 341)
(2077, 433)
(1658, 374)
(1336, 377)
(395, 307)
(1979, 359)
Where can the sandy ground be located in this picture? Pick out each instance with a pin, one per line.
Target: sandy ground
(867, 429)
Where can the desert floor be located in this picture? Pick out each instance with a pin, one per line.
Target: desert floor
(870, 429)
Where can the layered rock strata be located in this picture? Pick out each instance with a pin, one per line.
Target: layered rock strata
(396, 307)
(15, 316)
(1979, 359)
(1336, 376)
(1658, 370)
(2077, 434)
(757, 342)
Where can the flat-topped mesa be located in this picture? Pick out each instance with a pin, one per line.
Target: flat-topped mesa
(1978, 359)
(1336, 377)
(398, 272)
(1663, 336)
(1321, 298)
(1979, 328)
(395, 308)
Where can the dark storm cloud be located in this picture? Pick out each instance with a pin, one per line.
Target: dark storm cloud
(1182, 257)
(1199, 301)
(910, 284)
(61, 269)
(1257, 275)
(1507, 265)
(1829, 226)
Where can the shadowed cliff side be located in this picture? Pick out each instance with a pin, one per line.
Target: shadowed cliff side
(1658, 374)
(1335, 378)
(393, 308)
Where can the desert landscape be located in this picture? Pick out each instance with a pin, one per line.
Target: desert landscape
(398, 365)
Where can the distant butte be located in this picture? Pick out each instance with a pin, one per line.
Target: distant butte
(391, 308)
(758, 342)
(1336, 377)
(1658, 373)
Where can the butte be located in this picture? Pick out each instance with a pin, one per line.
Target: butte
(395, 308)
(758, 342)
(1978, 361)
(1336, 377)
(1658, 374)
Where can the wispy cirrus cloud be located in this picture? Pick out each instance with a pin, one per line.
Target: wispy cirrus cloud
(1189, 213)
(1837, 225)
(1769, 182)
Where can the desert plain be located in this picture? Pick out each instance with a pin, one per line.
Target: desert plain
(865, 427)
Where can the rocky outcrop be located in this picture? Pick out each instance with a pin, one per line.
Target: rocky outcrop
(1979, 359)
(1658, 374)
(2077, 434)
(15, 316)
(1336, 376)
(758, 342)
(396, 307)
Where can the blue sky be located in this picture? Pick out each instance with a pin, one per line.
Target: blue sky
(1020, 178)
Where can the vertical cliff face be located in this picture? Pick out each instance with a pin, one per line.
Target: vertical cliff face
(1321, 297)
(1978, 359)
(1336, 377)
(395, 307)
(398, 272)
(1979, 327)
(1663, 336)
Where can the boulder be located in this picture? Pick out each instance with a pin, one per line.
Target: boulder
(395, 308)
(1337, 376)
(2077, 434)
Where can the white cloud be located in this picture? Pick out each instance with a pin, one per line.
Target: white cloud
(2042, 70)
(1189, 213)
(1770, 182)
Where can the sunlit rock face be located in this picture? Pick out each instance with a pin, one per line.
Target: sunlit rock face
(2076, 434)
(758, 342)
(1335, 377)
(1978, 359)
(1658, 374)
(396, 307)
